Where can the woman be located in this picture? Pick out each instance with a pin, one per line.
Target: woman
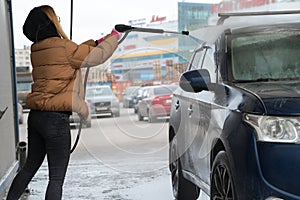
(56, 92)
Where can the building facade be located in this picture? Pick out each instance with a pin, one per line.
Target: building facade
(150, 58)
(144, 58)
(22, 59)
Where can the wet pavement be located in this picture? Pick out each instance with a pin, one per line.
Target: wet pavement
(91, 180)
(116, 159)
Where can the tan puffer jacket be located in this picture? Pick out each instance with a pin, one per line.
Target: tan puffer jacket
(57, 76)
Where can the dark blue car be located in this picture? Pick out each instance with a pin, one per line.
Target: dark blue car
(235, 120)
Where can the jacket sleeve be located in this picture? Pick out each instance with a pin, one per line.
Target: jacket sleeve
(91, 43)
(87, 54)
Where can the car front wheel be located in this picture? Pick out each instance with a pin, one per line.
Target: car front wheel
(116, 114)
(140, 117)
(222, 186)
(87, 124)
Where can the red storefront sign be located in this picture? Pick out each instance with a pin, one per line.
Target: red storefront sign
(238, 5)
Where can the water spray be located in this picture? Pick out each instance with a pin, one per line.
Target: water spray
(122, 28)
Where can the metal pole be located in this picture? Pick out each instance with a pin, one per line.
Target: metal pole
(22, 153)
(71, 20)
(22, 147)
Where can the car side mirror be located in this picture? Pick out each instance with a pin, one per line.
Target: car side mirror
(195, 80)
(139, 97)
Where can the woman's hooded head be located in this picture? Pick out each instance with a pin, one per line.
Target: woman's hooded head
(38, 26)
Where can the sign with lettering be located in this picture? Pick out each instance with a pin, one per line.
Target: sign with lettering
(157, 19)
(226, 6)
(137, 22)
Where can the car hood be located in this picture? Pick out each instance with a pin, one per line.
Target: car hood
(276, 97)
(100, 99)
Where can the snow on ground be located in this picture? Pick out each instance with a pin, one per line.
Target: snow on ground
(139, 171)
(95, 181)
(155, 189)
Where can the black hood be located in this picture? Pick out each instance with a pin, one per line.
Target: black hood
(38, 26)
(278, 98)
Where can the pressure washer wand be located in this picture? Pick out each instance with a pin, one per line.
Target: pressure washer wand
(122, 28)
(125, 28)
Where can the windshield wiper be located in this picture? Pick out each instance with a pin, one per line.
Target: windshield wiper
(254, 80)
(265, 80)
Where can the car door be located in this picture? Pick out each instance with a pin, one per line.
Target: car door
(199, 120)
(203, 103)
(189, 121)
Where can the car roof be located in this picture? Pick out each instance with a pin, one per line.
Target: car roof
(133, 86)
(130, 88)
(164, 85)
(98, 86)
(261, 17)
(234, 24)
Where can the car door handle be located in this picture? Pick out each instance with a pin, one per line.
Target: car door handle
(190, 110)
(177, 105)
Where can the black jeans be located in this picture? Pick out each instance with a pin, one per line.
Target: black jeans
(48, 134)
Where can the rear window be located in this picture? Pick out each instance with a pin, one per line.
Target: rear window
(164, 90)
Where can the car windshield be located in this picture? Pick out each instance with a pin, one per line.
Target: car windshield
(164, 90)
(130, 90)
(91, 92)
(266, 57)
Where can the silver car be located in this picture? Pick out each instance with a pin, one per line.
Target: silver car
(102, 101)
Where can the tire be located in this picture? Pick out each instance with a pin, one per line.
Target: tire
(21, 120)
(140, 117)
(222, 185)
(151, 118)
(87, 124)
(117, 114)
(183, 189)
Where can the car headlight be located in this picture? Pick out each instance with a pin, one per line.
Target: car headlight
(275, 129)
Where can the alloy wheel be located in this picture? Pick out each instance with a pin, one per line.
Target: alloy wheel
(174, 168)
(221, 182)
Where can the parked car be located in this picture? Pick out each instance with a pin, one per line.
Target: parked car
(235, 119)
(20, 114)
(156, 102)
(138, 96)
(75, 120)
(129, 96)
(102, 101)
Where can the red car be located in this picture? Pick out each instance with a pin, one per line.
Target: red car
(155, 102)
